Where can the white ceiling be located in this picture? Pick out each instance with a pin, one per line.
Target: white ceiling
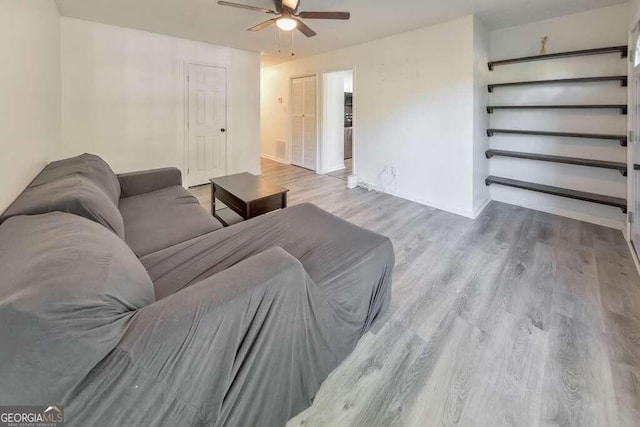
(206, 21)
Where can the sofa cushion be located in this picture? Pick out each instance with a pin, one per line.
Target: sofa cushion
(163, 218)
(68, 288)
(74, 194)
(89, 166)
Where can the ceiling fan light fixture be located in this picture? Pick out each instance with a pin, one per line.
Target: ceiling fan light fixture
(286, 23)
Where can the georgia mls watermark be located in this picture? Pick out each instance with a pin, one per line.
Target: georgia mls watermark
(31, 416)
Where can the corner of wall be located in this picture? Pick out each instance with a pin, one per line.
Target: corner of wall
(481, 47)
(32, 136)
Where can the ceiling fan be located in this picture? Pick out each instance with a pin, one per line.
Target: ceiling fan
(287, 16)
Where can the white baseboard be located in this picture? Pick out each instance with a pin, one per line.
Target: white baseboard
(478, 211)
(275, 159)
(430, 203)
(335, 168)
(636, 261)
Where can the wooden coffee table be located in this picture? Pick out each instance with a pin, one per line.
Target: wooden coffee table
(247, 195)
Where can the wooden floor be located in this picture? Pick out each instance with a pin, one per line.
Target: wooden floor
(518, 318)
(343, 173)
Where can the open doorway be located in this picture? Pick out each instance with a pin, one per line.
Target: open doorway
(337, 124)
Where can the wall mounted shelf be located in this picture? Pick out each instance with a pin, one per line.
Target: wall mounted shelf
(622, 50)
(621, 138)
(622, 108)
(562, 192)
(620, 167)
(622, 79)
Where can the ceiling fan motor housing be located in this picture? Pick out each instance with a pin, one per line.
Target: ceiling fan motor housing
(287, 10)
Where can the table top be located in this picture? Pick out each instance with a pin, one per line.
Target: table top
(248, 187)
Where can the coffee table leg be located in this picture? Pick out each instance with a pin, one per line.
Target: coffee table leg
(213, 200)
(284, 200)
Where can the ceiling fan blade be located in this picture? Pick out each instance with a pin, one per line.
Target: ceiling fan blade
(304, 29)
(325, 15)
(263, 25)
(244, 6)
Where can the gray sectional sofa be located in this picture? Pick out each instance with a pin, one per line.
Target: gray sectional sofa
(127, 303)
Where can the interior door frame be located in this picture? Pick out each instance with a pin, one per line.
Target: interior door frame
(290, 137)
(185, 123)
(351, 68)
(319, 106)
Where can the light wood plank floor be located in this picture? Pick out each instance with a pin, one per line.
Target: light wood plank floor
(519, 318)
(343, 174)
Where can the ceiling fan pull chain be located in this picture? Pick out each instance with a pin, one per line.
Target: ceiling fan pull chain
(279, 40)
(293, 50)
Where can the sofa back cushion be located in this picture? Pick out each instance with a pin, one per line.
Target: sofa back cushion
(68, 289)
(90, 166)
(74, 194)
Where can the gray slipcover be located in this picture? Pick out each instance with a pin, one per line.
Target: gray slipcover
(247, 345)
(140, 182)
(74, 194)
(68, 288)
(237, 326)
(163, 218)
(352, 265)
(92, 167)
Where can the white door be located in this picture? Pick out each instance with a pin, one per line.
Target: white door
(304, 131)
(297, 121)
(206, 123)
(634, 151)
(310, 124)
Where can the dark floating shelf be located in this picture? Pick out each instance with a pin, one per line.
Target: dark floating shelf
(621, 138)
(562, 192)
(620, 167)
(622, 79)
(636, 167)
(621, 107)
(622, 50)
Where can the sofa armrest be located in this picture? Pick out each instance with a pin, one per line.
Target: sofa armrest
(217, 344)
(134, 183)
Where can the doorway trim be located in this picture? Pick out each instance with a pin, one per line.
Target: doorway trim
(185, 121)
(354, 109)
(321, 119)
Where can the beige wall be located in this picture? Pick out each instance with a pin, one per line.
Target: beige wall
(29, 92)
(123, 96)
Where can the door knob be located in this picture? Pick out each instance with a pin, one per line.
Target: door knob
(223, 130)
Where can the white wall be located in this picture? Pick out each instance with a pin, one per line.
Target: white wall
(481, 196)
(29, 92)
(348, 81)
(332, 136)
(123, 96)
(596, 28)
(413, 109)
